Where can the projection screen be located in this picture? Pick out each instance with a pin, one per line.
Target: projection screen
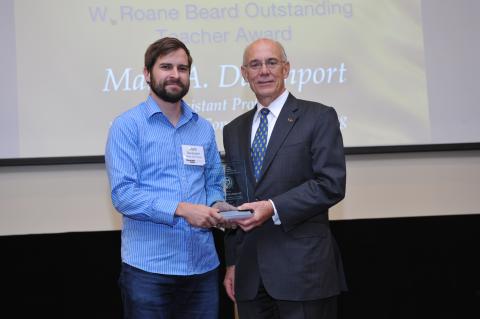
(70, 67)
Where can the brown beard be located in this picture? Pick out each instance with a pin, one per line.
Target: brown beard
(166, 96)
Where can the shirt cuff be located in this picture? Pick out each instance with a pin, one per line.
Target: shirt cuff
(275, 217)
(164, 211)
(210, 203)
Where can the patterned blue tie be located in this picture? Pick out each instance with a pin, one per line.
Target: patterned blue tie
(259, 145)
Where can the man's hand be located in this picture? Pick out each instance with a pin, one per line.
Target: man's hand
(229, 282)
(199, 215)
(262, 211)
(223, 207)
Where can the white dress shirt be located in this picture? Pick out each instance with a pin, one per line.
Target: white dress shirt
(275, 108)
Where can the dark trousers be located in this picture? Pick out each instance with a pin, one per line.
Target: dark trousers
(147, 295)
(265, 307)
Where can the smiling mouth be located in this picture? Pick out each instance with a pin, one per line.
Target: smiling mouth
(264, 82)
(174, 84)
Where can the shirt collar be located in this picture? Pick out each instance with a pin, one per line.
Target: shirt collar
(187, 112)
(275, 107)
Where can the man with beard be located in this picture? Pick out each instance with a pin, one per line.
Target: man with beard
(163, 166)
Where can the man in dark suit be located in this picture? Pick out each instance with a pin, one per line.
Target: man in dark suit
(283, 261)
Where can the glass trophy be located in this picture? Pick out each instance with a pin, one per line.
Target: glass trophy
(235, 183)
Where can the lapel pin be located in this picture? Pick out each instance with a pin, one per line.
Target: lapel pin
(290, 119)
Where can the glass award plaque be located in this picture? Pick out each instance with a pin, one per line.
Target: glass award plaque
(235, 185)
(236, 214)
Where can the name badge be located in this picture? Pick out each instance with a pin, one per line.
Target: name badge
(193, 155)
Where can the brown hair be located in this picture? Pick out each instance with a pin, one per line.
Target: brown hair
(163, 47)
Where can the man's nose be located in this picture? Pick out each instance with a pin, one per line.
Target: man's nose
(264, 69)
(174, 73)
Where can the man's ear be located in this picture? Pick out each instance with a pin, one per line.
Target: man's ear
(146, 74)
(286, 69)
(244, 73)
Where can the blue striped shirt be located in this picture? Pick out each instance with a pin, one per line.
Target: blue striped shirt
(148, 179)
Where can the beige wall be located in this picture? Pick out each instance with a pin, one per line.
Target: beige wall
(65, 198)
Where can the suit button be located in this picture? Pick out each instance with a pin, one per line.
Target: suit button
(257, 199)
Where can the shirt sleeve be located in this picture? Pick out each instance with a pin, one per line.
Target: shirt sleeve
(275, 217)
(214, 174)
(122, 159)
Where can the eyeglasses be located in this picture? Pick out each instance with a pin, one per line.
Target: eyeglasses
(256, 65)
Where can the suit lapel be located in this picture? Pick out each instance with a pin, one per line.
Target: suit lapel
(285, 122)
(244, 137)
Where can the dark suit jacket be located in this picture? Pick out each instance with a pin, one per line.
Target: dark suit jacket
(304, 175)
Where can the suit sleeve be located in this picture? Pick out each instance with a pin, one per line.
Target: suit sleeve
(327, 186)
(232, 236)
